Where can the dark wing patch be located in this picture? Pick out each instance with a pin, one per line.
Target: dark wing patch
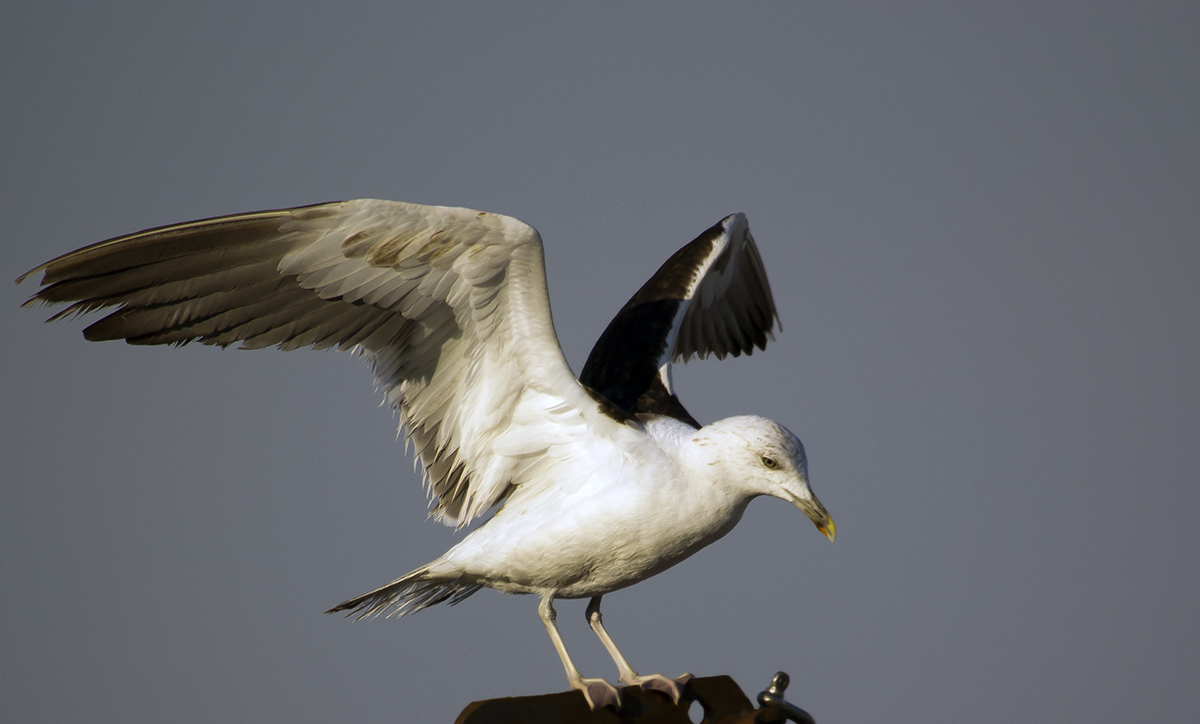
(710, 297)
(625, 360)
(658, 400)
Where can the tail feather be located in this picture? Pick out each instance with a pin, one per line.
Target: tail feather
(408, 594)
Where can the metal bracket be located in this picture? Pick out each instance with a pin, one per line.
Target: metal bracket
(773, 697)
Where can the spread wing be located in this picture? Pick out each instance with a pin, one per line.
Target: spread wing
(450, 304)
(710, 297)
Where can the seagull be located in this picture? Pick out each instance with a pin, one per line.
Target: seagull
(593, 483)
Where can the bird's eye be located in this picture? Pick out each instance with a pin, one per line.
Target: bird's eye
(769, 463)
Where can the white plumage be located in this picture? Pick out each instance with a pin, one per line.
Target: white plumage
(598, 482)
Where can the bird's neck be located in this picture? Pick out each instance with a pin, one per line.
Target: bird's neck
(703, 472)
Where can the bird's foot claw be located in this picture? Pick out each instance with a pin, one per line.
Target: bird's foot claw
(599, 693)
(657, 682)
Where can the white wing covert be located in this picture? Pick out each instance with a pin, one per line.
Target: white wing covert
(450, 304)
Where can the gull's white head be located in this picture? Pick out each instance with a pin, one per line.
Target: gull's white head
(762, 457)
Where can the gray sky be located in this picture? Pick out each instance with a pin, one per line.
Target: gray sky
(981, 226)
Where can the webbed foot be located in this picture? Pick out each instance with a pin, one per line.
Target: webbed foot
(598, 692)
(657, 682)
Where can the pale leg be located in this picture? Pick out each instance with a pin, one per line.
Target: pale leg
(671, 687)
(598, 692)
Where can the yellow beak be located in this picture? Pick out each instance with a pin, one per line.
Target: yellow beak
(816, 512)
